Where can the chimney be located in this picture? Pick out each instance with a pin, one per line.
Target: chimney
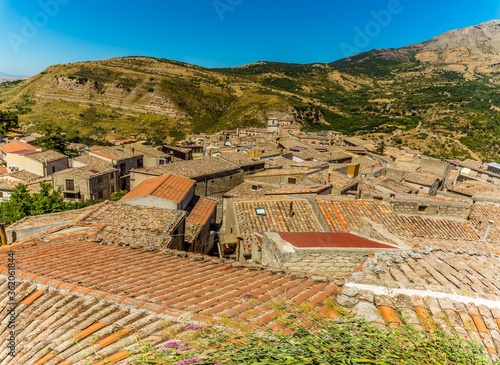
(3, 234)
(487, 232)
(133, 151)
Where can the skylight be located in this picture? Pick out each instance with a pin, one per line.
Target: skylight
(260, 211)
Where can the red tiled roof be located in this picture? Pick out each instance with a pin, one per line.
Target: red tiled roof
(167, 282)
(202, 211)
(457, 290)
(344, 215)
(17, 147)
(330, 240)
(62, 324)
(170, 187)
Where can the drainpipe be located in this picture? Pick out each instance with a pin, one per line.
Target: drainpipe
(3, 234)
(487, 232)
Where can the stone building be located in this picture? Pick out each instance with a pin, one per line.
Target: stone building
(89, 178)
(121, 158)
(325, 254)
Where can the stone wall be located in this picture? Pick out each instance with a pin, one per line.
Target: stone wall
(431, 207)
(276, 252)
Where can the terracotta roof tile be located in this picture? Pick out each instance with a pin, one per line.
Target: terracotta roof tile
(202, 211)
(46, 156)
(170, 187)
(17, 146)
(456, 290)
(421, 178)
(281, 215)
(115, 153)
(193, 169)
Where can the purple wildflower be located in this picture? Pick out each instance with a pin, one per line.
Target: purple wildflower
(189, 361)
(246, 295)
(172, 344)
(192, 327)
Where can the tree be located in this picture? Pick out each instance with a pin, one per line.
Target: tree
(18, 206)
(53, 139)
(56, 142)
(380, 148)
(8, 121)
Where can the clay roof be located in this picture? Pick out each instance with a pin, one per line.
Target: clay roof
(16, 147)
(96, 163)
(471, 188)
(277, 216)
(330, 240)
(46, 156)
(481, 214)
(122, 223)
(78, 326)
(394, 186)
(114, 224)
(335, 179)
(85, 172)
(193, 168)
(298, 189)
(422, 178)
(115, 153)
(455, 289)
(170, 187)
(23, 175)
(8, 185)
(94, 300)
(240, 159)
(281, 172)
(344, 215)
(146, 150)
(202, 211)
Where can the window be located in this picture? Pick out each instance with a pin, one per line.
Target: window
(139, 163)
(99, 179)
(53, 169)
(112, 175)
(292, 180)
(260, 212)
(70, 185)
(112, 188)
(100, 194)
(422, 208)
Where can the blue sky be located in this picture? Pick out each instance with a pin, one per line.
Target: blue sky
(218, 33)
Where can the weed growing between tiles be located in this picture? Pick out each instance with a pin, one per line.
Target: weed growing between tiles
(300, 336)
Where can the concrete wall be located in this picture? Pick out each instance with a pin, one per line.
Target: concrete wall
(152, 201)
(276, 252)
(15, 162)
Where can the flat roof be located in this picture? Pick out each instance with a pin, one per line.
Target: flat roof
(330, 240)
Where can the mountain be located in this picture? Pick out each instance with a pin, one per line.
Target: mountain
(6, 77)
(441, 96)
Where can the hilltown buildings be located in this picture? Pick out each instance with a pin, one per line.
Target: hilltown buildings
(399, 238)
